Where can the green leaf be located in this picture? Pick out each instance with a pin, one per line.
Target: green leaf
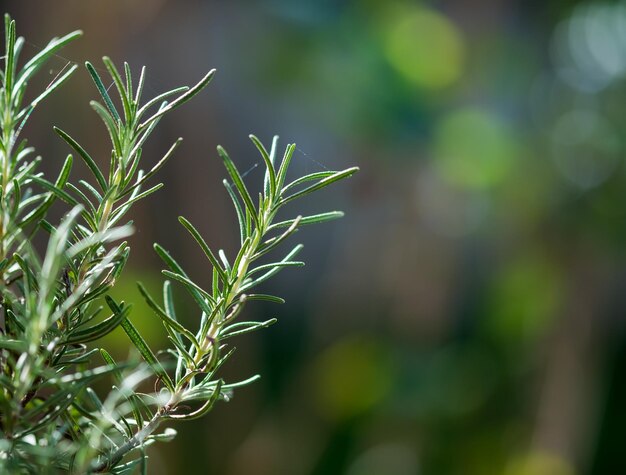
(168, 299)
(270, 173)
(243, 383)
(9, 70)
(321, 184)
(142, 346)
(60, 193)
(242, 328)
(17, 198)
(166, 319)
(127, 468)
(224, 260)
(99, 330)
(189, 284)
(142, 77)
(220, 362)
(166, 436)
(204, 246)
(243, 251)
(273, 149)
(159, 99)
(110, 124)
(65, 172)
(102, 90)
(131, 163)
(313, 219)
(123, 209)
(92, 190)
(275, 265)
(60, 182)
(129, 81)
(19, 346)
(48, 410)
(90, 162)
(272, 243)
(31, 278)
(154, 169)
(284, 166)
(117, 79)
(272, 271)
(80, 359)
(240, 215)
(86, 201)
(172, 264)
(181, 99)
(238, 182)
(309, 177)
(13, 320)
(137, 404)
(27, 170)
(268, 298)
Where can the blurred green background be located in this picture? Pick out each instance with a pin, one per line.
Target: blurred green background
(467, 316)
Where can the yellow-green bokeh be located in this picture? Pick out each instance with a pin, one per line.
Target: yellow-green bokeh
(540, 463)
(474, 148)
(352, 377)
(525, 298)
(425, 47)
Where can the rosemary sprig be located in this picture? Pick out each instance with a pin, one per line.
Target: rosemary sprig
(52, 420)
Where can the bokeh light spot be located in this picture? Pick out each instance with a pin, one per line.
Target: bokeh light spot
(540, 463)
(589, 47)
(352, 377)
(389, 458)
(525, 298)
(474, 148)
(425, 48)
(586, 148)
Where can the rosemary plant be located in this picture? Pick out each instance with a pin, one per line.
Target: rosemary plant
(52, 418)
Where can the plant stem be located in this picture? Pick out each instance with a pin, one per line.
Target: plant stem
(132, 443)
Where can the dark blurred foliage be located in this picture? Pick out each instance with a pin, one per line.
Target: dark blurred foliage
(467, 316)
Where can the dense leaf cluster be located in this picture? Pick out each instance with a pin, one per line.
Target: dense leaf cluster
(56, 308)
